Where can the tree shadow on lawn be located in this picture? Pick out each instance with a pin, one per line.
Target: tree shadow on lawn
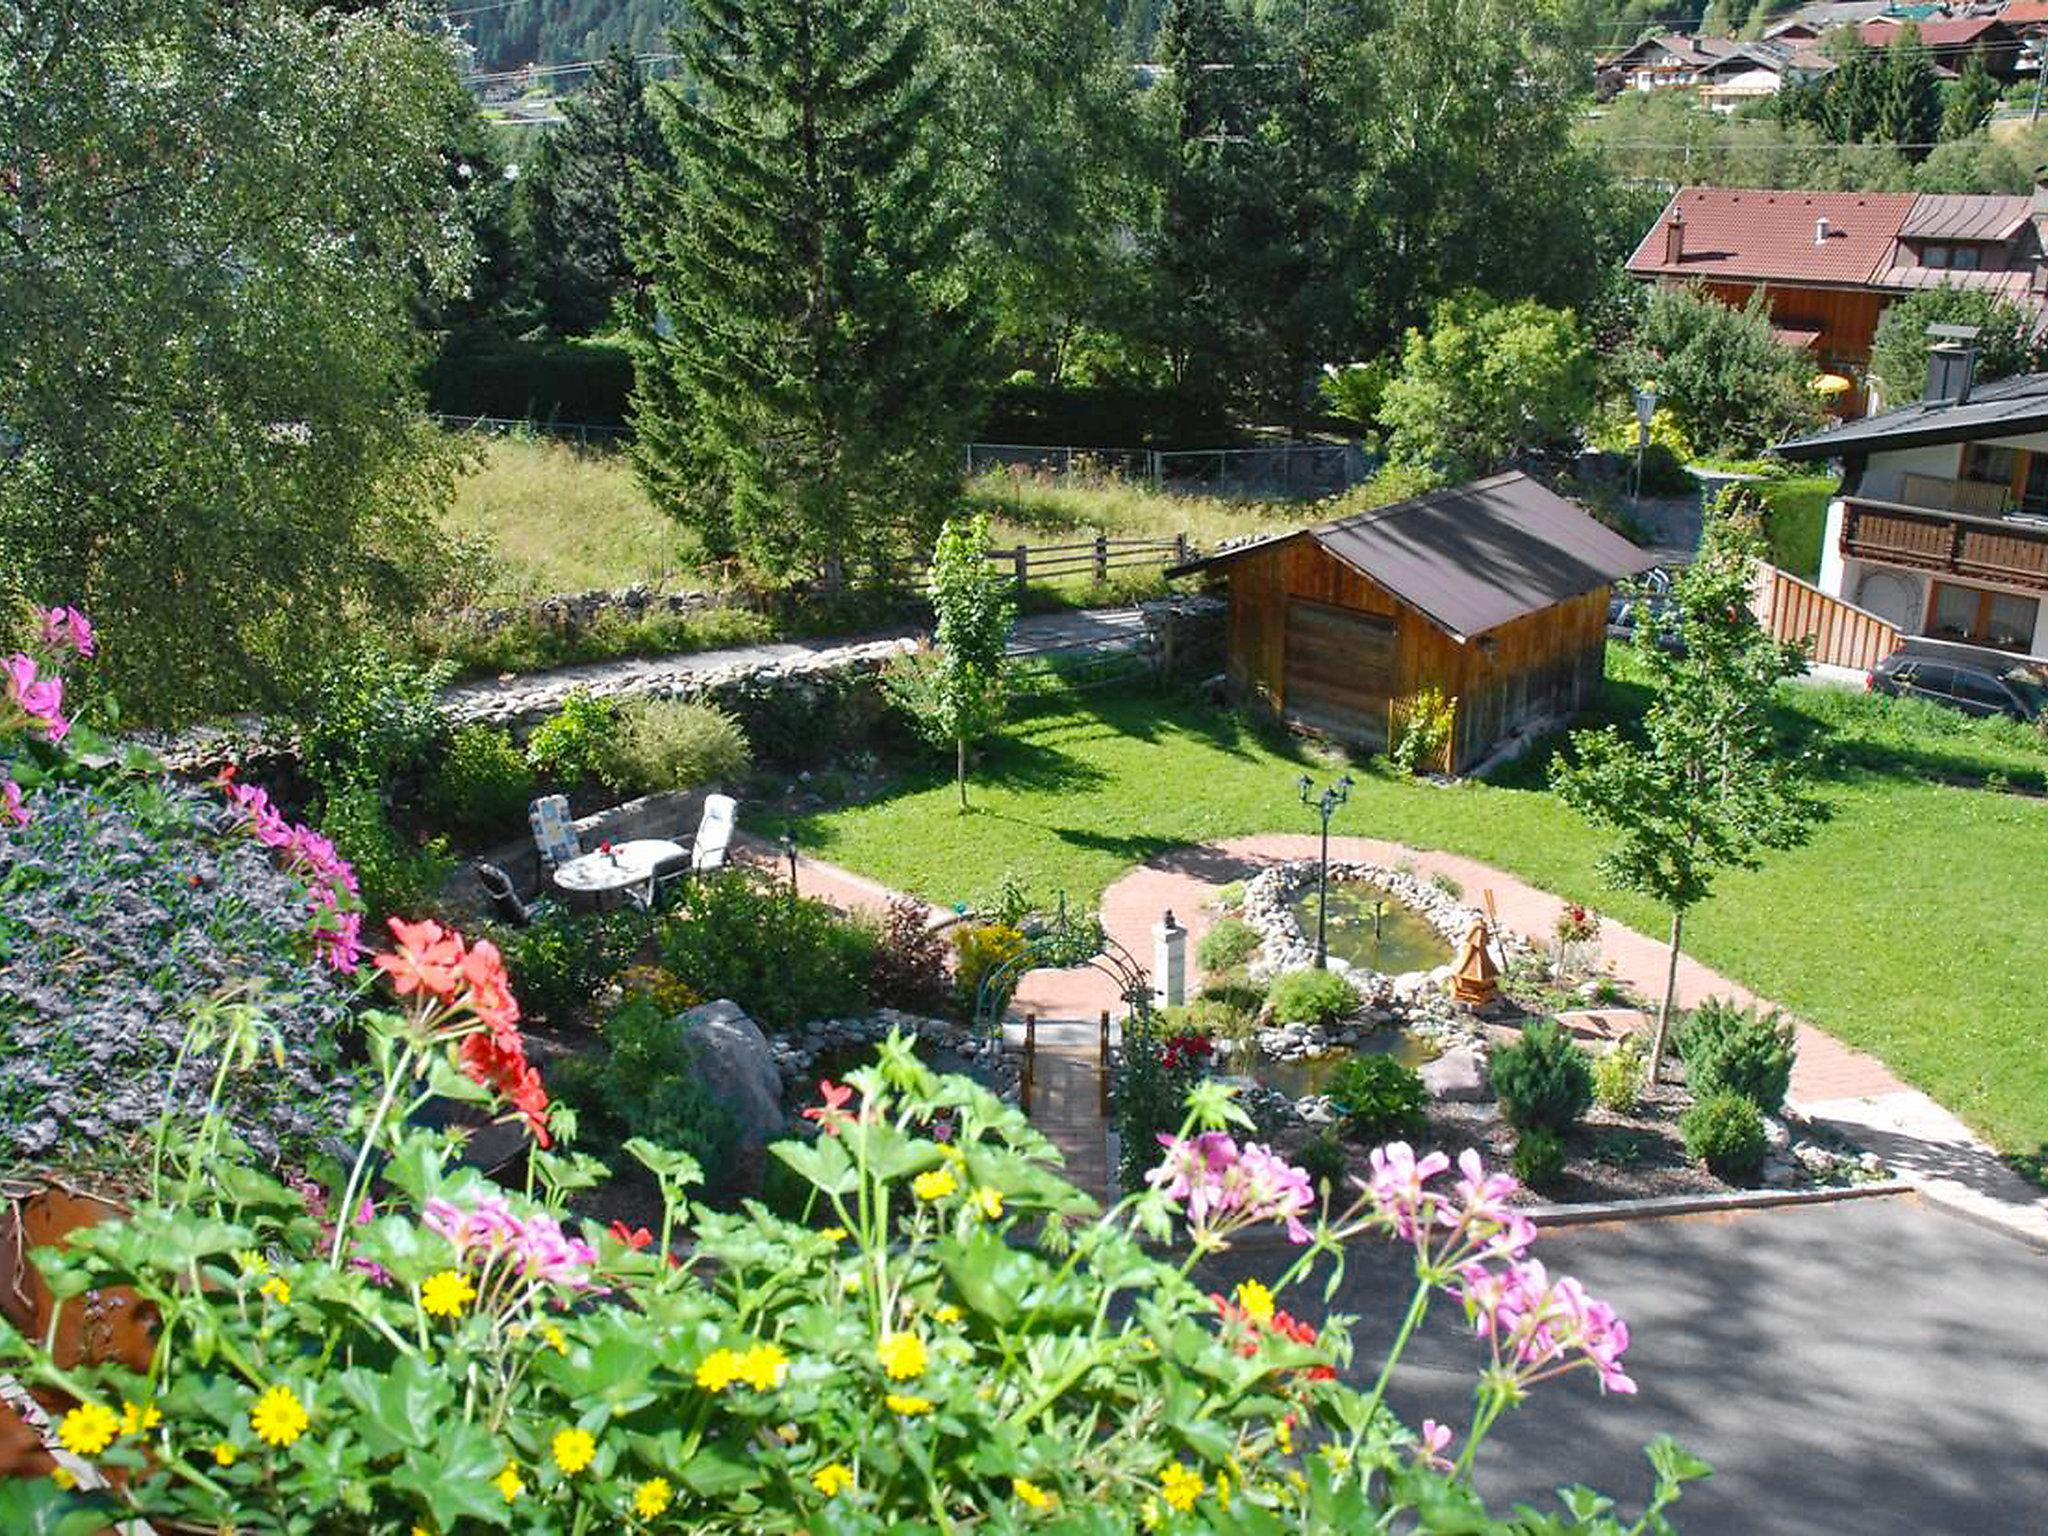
(1159, 716)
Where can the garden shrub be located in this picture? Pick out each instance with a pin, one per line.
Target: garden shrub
(369, 718)
(1236, 992)
(1312, 997)
(482, 785)
(1429, 717)
(1154, 1072)
(1539, 1158)
(1323, 1158)
(576, 741)
(910, 961)
(1228, 945)
(1379, 1098)
(668, 991)
(664, 744)
(1618, 1076)
(123, 911)
(1737, 1050)
(1725, 1131)
(980, 948)
(1230, 896)
(1544, 1080)
(784, 959)
(645, 1083)
(400, 878)
(560, 959)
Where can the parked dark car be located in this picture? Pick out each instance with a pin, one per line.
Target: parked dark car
(1976, 688)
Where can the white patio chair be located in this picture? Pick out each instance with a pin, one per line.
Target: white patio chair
(714, 833)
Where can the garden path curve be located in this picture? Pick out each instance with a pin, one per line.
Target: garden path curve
(1846, 1090)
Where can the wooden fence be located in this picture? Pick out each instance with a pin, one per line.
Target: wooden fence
(1840, 634)
(1094, 558)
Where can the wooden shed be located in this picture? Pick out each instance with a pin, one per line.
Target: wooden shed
(1495, 593)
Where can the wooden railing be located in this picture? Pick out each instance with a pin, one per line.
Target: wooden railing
(1095, 557)
(1839, 634)
(1948, 543)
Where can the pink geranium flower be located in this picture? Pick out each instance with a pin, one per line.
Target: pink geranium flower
(65, 627)
(39, 699)
(11, 808)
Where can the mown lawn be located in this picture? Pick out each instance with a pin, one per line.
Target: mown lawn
(1911, 925)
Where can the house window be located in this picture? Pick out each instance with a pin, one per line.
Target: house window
(1965, 258)
(1988, 465)
(1934, 256)
(2003, 620)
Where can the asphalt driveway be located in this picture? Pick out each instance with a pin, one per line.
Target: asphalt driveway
(1871, 1368)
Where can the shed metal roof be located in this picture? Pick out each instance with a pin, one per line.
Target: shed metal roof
(1476, 556)
(1966, 216)
(2002, 408)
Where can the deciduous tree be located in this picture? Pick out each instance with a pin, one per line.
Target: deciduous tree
(2006, 343)
(1704, 786)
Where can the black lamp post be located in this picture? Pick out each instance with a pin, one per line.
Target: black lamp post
(1325, 806)
(787, 842)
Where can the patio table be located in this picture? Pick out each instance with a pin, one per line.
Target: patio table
(602, 877)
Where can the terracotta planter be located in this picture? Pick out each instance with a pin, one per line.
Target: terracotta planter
(98, 1326)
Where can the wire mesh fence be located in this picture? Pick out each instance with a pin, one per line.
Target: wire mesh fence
(1269, 471)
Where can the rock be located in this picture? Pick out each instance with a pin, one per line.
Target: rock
(1457, 1077)
(733, 1061)
(1777, 1135)
(1780, 1173)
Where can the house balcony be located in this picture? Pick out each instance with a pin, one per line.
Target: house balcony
(2009, 551)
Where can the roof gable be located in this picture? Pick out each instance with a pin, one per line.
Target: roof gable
(2001, 408)
(1747, 233)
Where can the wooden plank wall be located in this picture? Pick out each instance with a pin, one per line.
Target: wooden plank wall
(1842, 635)
(1546, 664)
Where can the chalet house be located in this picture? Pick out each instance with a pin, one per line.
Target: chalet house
(1494, 593)
(1940, 527)
(1665, 60)
(1951, 40)
(2026, 18)
(1752, 71)
(1828, 263)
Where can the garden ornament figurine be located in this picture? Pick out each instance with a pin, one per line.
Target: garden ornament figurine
(1475, 978)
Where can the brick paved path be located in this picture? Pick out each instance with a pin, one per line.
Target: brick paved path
(1832, 1084)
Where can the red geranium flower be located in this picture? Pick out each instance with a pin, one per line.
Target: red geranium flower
(429, 959)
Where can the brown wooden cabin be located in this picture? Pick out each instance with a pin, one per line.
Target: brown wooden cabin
(1494, 592)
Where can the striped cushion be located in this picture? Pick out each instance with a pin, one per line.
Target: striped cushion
(553, 832)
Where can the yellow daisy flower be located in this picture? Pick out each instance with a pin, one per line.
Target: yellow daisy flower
(507, 1482)
(138, 1420)
(252, 1262)
(88, 1429)
(719, 1370)
(555, 1339)
(901, 1355)
(278, 1418)
(652, 1497)
(278, 1289)
(1223, 1490)
(909, 1407)
(1180, 1486)
(225, 1452)
(574, 1450)
(832, 1479)
(64, 1478)
(1031, 1493)
(446, 1294)
(834, 1234)
(1283, 1436)
(948, 1314)
(934, 1184)
(763, 1367)
(1256, 1301)
(990, 1202)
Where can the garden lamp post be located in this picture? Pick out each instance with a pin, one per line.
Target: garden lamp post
(1646, 408)
(787, 842)
(1325, 806)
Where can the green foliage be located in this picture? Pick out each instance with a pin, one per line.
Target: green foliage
(482, 783)
(784, 959)
(1706, 786)
(1149, 1094)
(370, 718)
(1726, 1132)
(479, 371)
(1970, 98)
(660, 744)
(1323, 1158)
(806, 369)
(1539, 1158)
(231, 212)
(1312, 997)
(645, 1083)
(1727, 1049)
(2006, 343)
(1730, 385)
(399, 878)
(1230, 896)
(577, 742)
(1544, 1080)
(954, 693)
(1226, 946)
(559, 961)
(1379, 1098)
(1354, 392)
(1427, 721)
(1486, 383)
(910, 961)
(980, 948)
(1620, 1074)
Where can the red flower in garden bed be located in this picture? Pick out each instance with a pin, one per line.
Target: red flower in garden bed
(1187, 1051)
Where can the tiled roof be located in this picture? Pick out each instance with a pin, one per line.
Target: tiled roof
(1748, 234)
(1957, 32)
(1965, 216)
(2024, 13)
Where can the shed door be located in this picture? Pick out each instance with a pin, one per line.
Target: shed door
(1340, 671)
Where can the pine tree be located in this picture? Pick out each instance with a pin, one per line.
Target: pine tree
(1908, 96)
(582, 190)
(1970, 99)
(805, 380)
